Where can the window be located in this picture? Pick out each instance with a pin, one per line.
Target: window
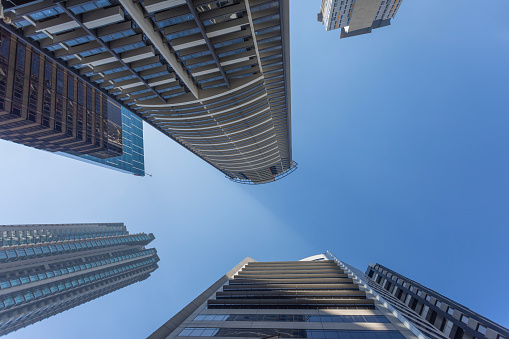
(450, 310)
(292, 318)
(481, 329)
(428, 298)
(464, 319)
(285, 333)
(438, 304)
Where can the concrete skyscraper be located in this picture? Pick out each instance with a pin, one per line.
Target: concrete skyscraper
(356, 17)
(430, 310)
(212, 75)
(317, 297)
(48, 269)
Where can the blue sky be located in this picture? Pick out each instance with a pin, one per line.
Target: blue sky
(401, 138)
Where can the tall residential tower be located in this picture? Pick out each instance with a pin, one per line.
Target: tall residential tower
(212, 75)
(317, 297)
(48, 269)
(356, 17)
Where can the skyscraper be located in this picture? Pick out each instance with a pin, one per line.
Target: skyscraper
(132, 159)
(430, 310)
(212, 75)
(48, 269)
(44, 107)
(356, 17)
(317, 297)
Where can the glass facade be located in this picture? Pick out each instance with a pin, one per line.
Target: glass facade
(294, 318)
(287, 333)
(132, 159)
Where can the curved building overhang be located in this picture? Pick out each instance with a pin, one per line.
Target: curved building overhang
(213, 76)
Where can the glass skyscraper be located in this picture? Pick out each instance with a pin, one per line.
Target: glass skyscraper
(48, 269)
(317, 297)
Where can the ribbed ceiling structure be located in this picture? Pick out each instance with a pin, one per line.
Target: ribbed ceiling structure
(212, 75)
(291, 284)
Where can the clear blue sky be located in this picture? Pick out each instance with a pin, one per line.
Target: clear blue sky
(402, 141)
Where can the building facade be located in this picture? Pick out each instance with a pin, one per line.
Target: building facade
(48, 269)
(132, 159)
(356, 17)
(212, 75)
(432, 310)
(44, 106)
(317, 297)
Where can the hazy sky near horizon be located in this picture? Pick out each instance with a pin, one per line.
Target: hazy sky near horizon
(402, 142)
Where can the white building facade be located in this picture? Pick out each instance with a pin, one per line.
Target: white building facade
(362, 15)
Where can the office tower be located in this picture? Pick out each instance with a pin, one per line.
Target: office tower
(212, 75)
(48, 269)
(44, 107)
(317, 297)
(430, 310)
(356, 17)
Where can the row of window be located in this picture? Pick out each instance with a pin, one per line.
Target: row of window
(30, 252)
(288, 333)
(20, 237)
(39, 292)
(67, 270)
(294, 318)
(59, 306)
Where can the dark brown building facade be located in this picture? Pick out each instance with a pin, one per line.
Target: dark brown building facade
(44, 106)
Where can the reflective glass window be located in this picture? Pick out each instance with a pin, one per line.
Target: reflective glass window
(21, 253)
(28, 296)
(11, 254)
(8, 302)
(19, 299)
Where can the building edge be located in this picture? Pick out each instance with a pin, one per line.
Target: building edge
(356, 275)
(177, 320)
